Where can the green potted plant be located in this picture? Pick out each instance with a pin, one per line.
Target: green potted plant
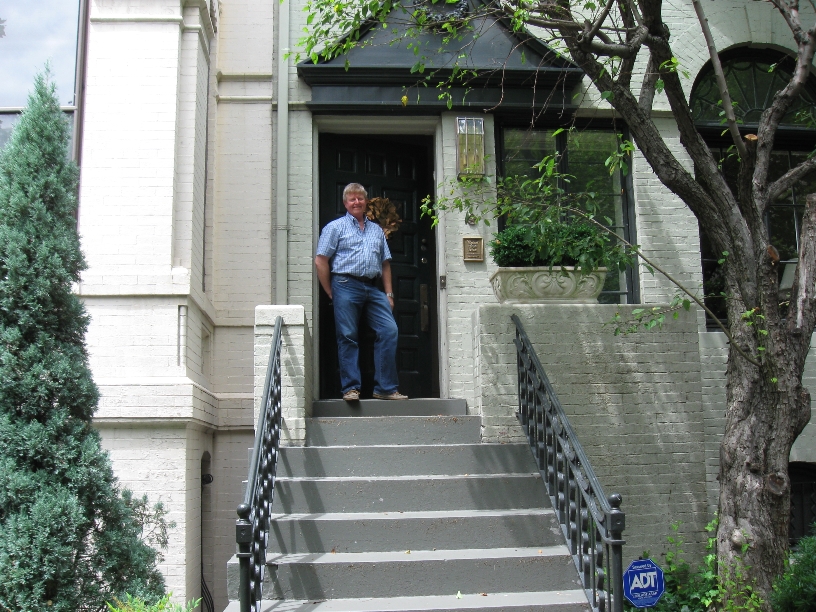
(554, 247)
(559, 256)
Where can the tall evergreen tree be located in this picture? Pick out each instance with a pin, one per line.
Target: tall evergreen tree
(68, 539)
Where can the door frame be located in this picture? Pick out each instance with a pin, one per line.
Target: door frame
(364, 126)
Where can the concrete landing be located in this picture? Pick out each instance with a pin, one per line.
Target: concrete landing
(379, 408)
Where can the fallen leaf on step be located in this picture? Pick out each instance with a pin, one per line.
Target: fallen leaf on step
(540, 551)
(334, 551)
(407, 552)
(458, 594)
(483, 594)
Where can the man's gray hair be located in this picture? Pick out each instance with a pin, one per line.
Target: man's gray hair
(354, 188)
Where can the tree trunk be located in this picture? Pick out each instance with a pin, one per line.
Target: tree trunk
(763, 419)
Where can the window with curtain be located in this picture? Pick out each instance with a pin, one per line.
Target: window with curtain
(583, 154)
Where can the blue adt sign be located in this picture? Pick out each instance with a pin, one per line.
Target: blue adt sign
(643, 583)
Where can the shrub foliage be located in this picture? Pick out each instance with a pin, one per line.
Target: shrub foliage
(795, 590)
(68, 539)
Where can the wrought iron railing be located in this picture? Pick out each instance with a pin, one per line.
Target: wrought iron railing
(592, 523)
(253, 525)
(207, 604)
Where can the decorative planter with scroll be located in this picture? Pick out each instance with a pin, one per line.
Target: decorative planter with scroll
(545, 285)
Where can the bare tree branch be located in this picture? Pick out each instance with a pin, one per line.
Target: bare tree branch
(787, 180)
(647, 87)
(772, 116)
(590, 34)
(803, 292)
(791, 16)
(731, 120)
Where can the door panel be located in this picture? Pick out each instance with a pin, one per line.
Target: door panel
(397, 168)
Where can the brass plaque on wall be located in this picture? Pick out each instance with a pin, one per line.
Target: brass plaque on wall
(473, 248)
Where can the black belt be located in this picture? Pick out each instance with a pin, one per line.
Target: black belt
(362, 279)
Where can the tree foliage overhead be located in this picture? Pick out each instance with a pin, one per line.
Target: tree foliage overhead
(69, 539)
(626, 49)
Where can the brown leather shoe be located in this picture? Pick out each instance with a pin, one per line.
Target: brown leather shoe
(396, 395)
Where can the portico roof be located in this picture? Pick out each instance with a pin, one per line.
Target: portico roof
(507, 71)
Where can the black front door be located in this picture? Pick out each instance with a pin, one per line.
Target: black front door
(398, 168)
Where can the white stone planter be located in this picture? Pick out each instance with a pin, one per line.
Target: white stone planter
(545, 285)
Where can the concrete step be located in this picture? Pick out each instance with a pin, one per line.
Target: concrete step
(410, 493)
(402, 430)
(389, 460)
(382, 531)
(539, 601)
(416, 573)
(373, 408)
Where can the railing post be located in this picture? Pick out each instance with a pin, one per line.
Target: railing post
(617, 523)
(243, 536)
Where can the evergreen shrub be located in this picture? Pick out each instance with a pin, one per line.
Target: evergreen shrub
(69, 541)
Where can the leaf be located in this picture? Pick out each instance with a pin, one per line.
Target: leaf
(607, 95)
(458, 594)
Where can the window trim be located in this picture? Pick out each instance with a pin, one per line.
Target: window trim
(632, 276)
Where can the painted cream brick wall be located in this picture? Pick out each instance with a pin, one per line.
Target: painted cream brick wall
(133, 337)
(191, 149)
(634, 402)
(245, 33)
(129, 166)
(232, 369)
(242, 216)
(151, 459)
(713, 362)
(296, 370)
(230, 465)
(468, 284)
(667, 231)
(302, 244)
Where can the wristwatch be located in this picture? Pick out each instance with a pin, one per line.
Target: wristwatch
(389, 295)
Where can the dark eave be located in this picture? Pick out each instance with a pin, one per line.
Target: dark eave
(506, 71)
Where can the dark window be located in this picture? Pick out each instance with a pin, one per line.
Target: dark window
(753, 77)
(584, 155)
(803, 500)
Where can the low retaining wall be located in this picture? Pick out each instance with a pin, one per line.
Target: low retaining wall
(634, 401)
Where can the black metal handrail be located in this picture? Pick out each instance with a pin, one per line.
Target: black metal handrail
(592, 523)
(253, 525)
(207, 604)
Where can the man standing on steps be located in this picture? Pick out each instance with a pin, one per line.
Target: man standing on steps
(351, 254)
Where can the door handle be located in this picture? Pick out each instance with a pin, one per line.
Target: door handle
(424, 314)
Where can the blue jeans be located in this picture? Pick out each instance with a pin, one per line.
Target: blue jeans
(352, 298)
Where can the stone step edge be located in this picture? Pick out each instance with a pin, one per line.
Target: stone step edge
(389, 418)
(429, 603)
(410, 515)
(406, 477)
(419, 556)
(404, 447)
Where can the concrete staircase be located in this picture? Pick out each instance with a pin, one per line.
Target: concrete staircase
(412, 513)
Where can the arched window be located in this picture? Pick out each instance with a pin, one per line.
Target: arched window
(753, 77)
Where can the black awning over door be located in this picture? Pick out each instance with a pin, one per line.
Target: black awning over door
(506, 72)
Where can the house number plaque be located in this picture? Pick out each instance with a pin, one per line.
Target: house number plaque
(473, 248)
